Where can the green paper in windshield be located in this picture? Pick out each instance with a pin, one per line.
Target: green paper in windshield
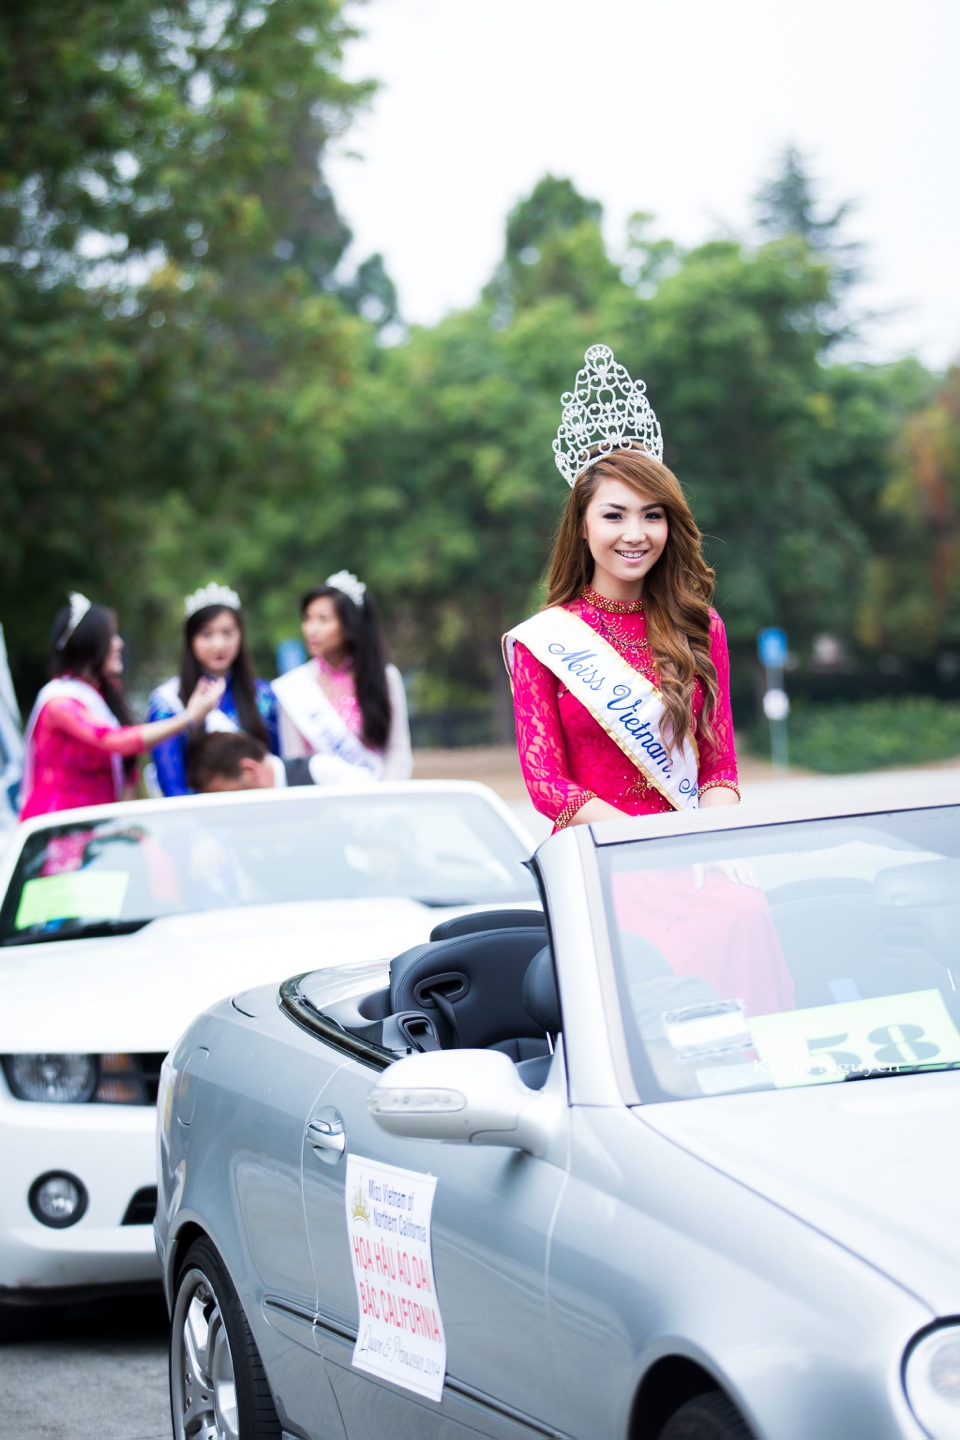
(77, 895)
(885, 1033)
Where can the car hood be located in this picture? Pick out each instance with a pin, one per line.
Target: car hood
(139, 992)
(874, 1165)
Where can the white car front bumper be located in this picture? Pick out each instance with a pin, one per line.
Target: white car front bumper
(110, 1150)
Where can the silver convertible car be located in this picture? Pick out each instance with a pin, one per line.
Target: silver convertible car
(673, 1160)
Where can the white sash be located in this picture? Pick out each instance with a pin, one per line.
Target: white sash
(215, 720)
(621, 700)
(309, 710)
(66, 688)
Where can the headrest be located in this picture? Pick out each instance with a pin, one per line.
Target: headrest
(927, 882)
(486, 920)
(540, 998)
(642, 960)
(474, 981)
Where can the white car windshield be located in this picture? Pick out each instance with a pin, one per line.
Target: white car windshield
(788, 955)
(117, 874)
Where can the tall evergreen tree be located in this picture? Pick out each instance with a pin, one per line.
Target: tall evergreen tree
(787, 204)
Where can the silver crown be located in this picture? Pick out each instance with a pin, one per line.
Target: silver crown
(349, 585)
(605, 411)
(212, 594)
(79, 605)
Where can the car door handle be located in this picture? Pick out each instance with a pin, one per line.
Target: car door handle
(325, 1132)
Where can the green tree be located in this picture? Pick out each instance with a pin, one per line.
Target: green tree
(914, 588)
(730, 355)
(554, 247)
(787, 204)
(174, 347)
(456, 494)
(785, 455)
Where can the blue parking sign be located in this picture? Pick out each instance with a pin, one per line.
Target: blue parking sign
(772, 646)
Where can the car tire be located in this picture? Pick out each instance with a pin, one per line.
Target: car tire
(708, 1417)
(218, 1388)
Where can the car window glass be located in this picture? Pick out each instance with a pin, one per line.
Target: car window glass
(446, 849)
(789, 955)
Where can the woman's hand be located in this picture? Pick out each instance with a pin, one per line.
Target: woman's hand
(206, 697)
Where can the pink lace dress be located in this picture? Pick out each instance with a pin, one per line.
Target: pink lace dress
(340, 684)
(568, 759)
(72, 758)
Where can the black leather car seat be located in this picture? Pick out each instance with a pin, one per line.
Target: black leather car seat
(541, 1000)
(471, 983)
(477, 920)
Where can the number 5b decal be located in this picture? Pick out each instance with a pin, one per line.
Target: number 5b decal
(888, 1033)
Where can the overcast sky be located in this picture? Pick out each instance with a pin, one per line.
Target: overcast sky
(679, 107)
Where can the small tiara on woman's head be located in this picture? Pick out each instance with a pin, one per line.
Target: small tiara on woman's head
(605, 411)
(79, 605)
(348, 585)
(212, 594)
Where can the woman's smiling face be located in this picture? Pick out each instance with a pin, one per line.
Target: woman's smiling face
(217, 645)
(626, 535)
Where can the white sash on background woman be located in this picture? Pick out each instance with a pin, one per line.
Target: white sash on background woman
(311, 713)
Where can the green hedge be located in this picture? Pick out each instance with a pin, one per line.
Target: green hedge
(836, 739)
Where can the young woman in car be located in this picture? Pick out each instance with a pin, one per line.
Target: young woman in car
(347, 703)
(80, 742)
(622, 686)
(621, 683)
(214, 645)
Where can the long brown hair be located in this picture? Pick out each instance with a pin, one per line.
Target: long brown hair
(676, 592)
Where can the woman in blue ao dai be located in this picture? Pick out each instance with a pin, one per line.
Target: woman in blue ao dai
(214, 644)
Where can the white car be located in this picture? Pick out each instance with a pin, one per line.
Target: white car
(121, 923)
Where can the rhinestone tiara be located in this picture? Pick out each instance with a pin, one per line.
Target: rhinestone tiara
(212, 594)
(348, 585)
(79, 605)
(605, 411)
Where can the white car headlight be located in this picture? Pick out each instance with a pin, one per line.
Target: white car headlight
(932, 1379)
(53, 1079)
(76, 1079)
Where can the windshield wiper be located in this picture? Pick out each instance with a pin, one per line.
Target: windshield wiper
(891, 1072)
(77, 930)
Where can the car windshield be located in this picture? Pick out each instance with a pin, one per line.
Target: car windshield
(111, 875)
(788, 955)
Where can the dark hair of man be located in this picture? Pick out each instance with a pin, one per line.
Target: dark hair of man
(85, 653)
(364, 641)
(242, 677)
(219, 753)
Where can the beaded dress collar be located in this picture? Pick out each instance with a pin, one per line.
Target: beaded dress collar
(334, 671)
(612, 607)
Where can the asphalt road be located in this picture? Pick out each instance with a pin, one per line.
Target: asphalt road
(96, 1373)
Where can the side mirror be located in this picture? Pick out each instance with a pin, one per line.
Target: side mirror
(474, 1097)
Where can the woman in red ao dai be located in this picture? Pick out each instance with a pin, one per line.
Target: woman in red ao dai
(628, 563)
